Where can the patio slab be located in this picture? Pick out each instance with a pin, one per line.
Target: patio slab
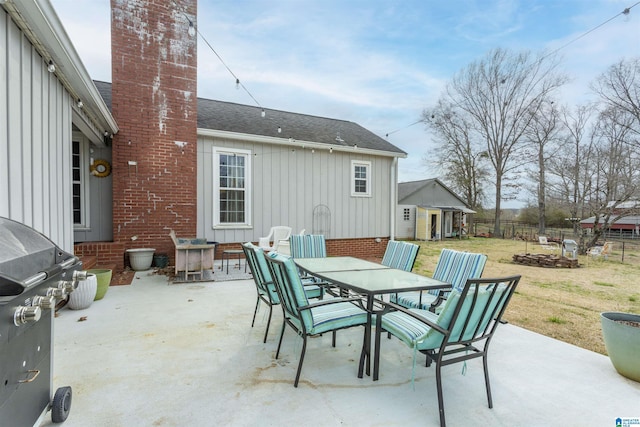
(160, 354)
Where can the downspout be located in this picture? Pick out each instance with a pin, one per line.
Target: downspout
(393, 179)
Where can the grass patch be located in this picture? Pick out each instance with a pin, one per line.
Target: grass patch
(611, 285)
(563, 303)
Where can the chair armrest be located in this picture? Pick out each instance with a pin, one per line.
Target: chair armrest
(263, 242)
(439, 300)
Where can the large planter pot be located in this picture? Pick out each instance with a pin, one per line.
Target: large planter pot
(140, 259)
(84, 294)
(104, 279)
(161, 260)
(622, 341)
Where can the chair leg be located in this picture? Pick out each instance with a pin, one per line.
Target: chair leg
(440, 397)
(255, 311)
(427, 362)
(268, 324)
(486, 380)
(304, 347)
(284, 323)
(333, 339)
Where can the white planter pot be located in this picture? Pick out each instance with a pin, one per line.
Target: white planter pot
(83, 295)
(140, 259)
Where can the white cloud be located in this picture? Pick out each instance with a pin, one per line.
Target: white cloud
(375, 63)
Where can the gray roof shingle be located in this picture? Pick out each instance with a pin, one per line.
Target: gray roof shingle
(231, 117)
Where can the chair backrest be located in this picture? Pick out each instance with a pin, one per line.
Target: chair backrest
(291, 290)
(473, 313)
(281, 232)
(400, 255)
(260, 271)
(543, 240)
(308, 246)
(456, 267)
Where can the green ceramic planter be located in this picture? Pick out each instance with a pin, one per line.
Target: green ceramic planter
(622, 342)
(104, 279)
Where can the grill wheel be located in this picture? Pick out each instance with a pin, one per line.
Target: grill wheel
(61, 405)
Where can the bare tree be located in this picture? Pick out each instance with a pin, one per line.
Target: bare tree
(573, 160)
(616, 172)
(498, 94)
(619, 87)
(542, 134)
(460, 156)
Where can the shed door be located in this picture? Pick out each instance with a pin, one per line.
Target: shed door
(448, 223)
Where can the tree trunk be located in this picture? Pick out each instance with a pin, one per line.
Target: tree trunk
(496, 228)
(542, 188)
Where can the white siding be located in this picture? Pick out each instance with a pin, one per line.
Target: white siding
(35, 140)
(288, 183)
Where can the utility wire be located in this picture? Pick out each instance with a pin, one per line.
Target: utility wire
(403, 128)
(626, 11)
(238, 82)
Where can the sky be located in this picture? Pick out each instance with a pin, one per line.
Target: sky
(378, 63)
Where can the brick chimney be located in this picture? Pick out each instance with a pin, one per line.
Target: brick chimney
(154, 102)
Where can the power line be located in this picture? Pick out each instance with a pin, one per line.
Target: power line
(403, 128)
(626, 11)
(237, 79)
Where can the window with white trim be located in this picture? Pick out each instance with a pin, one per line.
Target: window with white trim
(80, 180)
(360, 178)
(231, 182)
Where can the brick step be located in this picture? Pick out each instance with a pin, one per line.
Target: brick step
(88, 262)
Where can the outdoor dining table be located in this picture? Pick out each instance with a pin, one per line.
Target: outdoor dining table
(370, 280)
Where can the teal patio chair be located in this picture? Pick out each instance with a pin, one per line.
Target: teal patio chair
(265, 287)
(308, 246)
(308, 319)
(453, 267)
(400, 255)
(462, 331)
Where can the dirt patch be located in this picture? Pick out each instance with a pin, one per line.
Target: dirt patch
(629, 323)
(122, 278)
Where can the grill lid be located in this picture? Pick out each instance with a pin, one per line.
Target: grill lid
(24, 253)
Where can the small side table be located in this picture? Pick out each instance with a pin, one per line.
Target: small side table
(228, 253)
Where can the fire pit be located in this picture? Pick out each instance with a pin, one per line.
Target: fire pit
(545, 260)
(34, 274)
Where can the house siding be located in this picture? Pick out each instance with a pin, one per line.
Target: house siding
(35, 135)
(287, 184)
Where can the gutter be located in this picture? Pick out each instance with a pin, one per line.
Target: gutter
(290, 142)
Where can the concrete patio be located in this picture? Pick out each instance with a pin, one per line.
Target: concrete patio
(161, 354)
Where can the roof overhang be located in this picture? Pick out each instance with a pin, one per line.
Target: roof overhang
(462, 209)
(309, 145)
(40, 23)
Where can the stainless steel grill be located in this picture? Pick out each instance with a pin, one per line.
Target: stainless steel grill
(34, 275)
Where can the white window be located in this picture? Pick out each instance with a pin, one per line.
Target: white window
(231, 182)
(360, 178)
(80, 172)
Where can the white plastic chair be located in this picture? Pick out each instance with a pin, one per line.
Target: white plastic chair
(276, 235)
